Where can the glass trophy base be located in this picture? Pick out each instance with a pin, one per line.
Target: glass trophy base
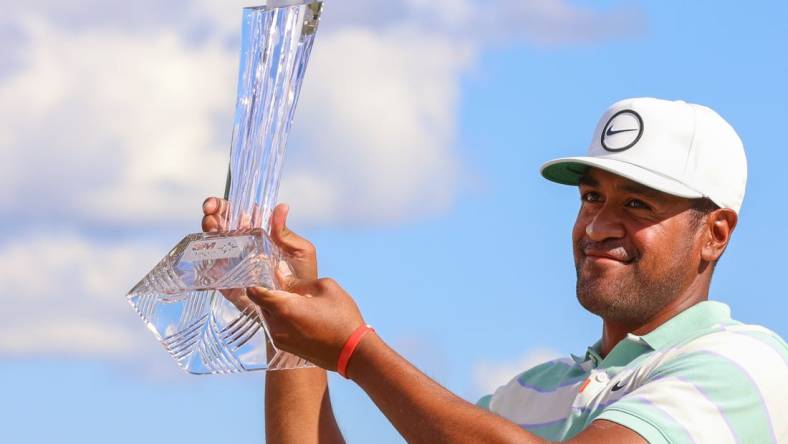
(195, 303)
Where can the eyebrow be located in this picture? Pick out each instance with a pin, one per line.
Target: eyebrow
(639, 189)
(632, 187)
(585, 180)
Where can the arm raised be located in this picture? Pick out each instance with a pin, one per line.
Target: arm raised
(297, 404)
(316, 319)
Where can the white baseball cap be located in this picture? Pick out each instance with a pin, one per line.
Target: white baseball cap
(679, 148)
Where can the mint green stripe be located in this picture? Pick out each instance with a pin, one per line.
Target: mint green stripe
(551, 375)
(731, 389)
(645, 418)
(641, 426)
(555, 431)
(624, 353)
(484, 402)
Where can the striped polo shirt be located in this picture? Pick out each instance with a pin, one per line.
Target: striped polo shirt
(701, 377)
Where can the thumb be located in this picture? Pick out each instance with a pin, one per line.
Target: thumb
(287, 240)
(300, 253)
(284, 238)
(270, 300)
(289, 282)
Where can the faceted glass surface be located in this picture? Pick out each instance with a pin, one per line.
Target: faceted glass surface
(195, 304)
(194, 300)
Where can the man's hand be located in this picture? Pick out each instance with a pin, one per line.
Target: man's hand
(314, 317)
(297, 404)
(312, 320)
(300, 253)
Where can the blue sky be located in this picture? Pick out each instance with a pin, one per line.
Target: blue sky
(430, 211)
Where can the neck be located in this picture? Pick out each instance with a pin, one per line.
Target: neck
(613, 332)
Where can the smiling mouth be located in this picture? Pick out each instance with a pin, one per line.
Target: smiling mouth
(608, 250)
(599, 257)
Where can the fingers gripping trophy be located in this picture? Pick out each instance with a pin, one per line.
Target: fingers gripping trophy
(194, 300)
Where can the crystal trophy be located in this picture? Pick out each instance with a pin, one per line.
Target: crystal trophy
(194, 300)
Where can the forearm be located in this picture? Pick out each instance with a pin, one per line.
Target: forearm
(298, 408)
(421, 409)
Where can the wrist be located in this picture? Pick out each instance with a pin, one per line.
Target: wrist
(349, 348)
(361, 363)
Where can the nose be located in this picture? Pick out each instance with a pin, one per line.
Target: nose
(606, 224)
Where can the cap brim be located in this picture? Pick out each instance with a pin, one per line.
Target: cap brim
(569, 170)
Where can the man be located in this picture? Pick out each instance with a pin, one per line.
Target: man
(661, 190)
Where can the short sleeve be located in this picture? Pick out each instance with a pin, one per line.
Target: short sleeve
(642, 426)
(484, 402)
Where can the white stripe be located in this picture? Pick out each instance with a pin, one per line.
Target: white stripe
(684, 403)
(750, 328)
(523, 405)
(764, 365)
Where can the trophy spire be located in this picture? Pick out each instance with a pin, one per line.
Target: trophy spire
(194, 300)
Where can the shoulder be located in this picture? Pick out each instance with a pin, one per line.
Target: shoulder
(753, 350)
(723, 385)
(734, 365)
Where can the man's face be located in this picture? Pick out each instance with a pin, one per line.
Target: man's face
(635, 248)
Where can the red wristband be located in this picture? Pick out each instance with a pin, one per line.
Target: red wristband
(350, 347)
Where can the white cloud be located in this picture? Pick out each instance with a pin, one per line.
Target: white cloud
(64, 295)
(113, 128)
(119, 116)
(61, 337)
(376, 128)
(125, 127)
(78, 14)
(127, 130)
(540, 22)
(488, 376)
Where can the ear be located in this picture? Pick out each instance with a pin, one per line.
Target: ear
(717, 233)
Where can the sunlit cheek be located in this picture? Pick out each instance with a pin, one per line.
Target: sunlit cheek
(651, 244)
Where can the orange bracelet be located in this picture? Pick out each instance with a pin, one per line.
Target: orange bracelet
(350, 347)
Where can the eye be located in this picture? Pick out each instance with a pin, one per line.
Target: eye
(591, 196)
(637, 204)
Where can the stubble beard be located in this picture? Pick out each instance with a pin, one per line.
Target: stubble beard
(633, 299)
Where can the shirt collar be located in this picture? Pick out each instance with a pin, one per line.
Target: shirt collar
(592, 358)
(699, 317)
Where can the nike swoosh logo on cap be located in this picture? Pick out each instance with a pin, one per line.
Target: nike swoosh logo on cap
(611, 131)
(617, 387)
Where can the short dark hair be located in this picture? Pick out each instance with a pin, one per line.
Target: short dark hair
(700, 209)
